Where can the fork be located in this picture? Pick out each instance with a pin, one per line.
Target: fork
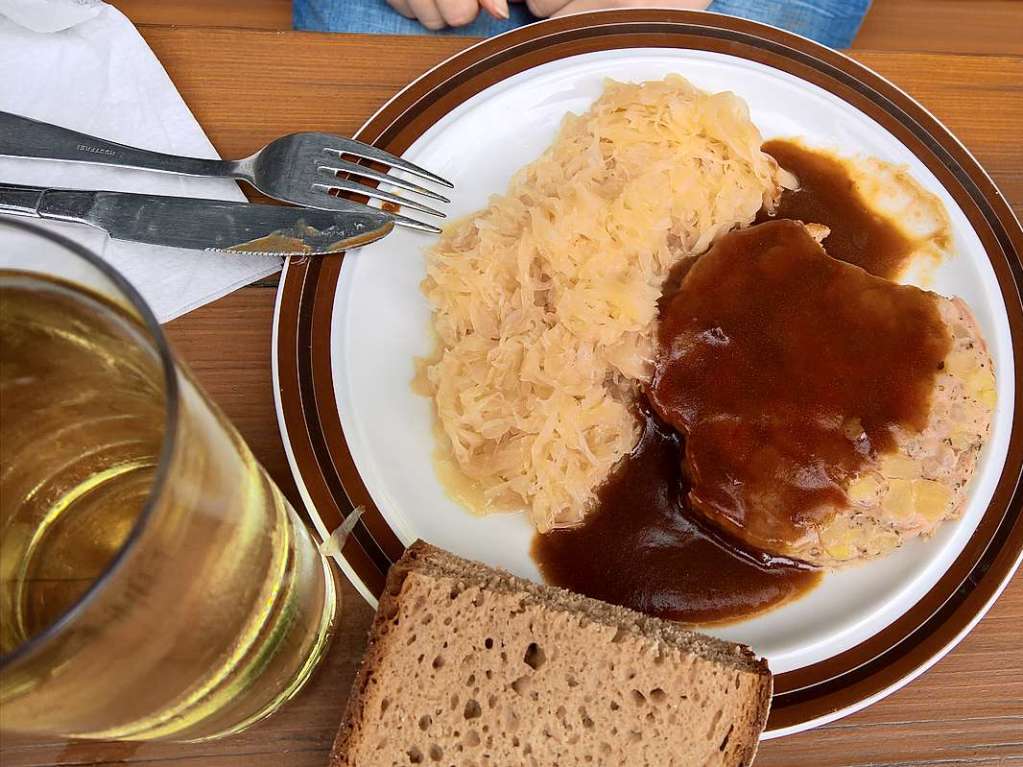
(301, 168)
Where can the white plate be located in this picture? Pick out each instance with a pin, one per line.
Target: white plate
(381, 324)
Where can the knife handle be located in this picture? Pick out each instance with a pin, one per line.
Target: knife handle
(24, 137)
(56, 204)
(21, 201)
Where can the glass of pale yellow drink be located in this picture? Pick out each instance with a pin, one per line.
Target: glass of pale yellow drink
(154, 582)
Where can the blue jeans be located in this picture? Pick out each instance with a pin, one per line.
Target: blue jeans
(832, 22)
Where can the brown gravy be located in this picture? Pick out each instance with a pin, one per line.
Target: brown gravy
(641, 549)
(787, 370)
(827, 195)
(641, 546)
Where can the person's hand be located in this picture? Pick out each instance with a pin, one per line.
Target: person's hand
(553, 8)
(437, 14)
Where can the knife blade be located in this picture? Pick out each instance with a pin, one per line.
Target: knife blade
(199, 224)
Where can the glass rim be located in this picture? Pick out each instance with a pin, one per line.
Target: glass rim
(168, 443)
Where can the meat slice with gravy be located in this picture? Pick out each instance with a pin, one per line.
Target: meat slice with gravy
(829, 415)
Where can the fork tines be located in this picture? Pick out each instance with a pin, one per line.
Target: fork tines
(333, 164)
(338, 165)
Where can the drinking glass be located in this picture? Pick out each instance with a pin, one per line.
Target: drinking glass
(154, 582)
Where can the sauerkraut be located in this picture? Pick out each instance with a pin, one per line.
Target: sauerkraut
(545, 301)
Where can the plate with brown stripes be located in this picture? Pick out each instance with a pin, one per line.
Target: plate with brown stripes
(348, 332)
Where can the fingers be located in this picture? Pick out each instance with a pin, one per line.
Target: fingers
(427, 12)
(496, 8)
(581, 6)
(458, 13)
(437, 14)
(545, 8)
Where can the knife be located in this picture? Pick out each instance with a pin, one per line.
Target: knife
(182, 222)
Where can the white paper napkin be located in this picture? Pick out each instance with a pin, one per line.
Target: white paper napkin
(81, 64)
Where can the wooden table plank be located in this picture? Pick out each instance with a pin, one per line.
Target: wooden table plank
(951, 26)
(247, 87)
(250, 14)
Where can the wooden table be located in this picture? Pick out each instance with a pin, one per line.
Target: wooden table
(246, 87)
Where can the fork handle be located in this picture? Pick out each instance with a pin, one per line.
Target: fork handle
(24, 137)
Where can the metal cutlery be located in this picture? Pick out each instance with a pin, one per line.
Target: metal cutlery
(204, 224)
(306, 169)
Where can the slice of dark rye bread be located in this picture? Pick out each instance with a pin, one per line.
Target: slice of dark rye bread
(471, 666)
